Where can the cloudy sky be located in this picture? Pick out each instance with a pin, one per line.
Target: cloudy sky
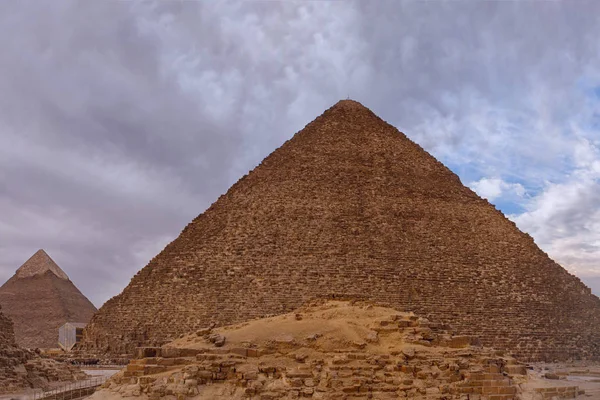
(120, 121)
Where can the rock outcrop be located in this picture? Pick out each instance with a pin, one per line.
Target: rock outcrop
(40, 298)
(351, 208)
(20, 368)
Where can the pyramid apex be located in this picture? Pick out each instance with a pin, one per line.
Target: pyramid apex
(39, 264)
(349, 104)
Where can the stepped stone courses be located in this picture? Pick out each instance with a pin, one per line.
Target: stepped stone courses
(351, 208)
(7, 336)
(39, 299)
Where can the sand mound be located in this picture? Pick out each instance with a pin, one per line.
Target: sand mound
(332, 326)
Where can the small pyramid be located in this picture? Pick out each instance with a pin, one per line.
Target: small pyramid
(38, 264)
(39, 299)
(350, 208)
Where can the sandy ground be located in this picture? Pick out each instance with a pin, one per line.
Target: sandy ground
(586, 375)
(100, 372)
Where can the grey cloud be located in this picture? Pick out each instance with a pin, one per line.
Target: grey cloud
(101, 148)
(121, 121)
(451, 59)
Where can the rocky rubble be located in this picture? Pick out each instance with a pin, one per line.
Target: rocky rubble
(333, 350)
(20, 368)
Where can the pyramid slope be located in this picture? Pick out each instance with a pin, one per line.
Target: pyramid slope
(351, 208)
(40, 303)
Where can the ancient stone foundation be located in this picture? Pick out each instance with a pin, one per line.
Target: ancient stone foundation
(327, 351)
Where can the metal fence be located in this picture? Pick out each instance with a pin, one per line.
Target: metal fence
(100, 366)
(71, 391)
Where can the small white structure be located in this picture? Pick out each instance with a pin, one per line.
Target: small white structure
(70, 334)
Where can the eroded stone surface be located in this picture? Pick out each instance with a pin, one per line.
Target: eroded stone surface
(351, 208)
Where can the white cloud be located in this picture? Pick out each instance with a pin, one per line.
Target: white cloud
(564, 218)
(493, 188)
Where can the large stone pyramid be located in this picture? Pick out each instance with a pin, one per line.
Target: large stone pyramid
(40, 298)
(351, 208)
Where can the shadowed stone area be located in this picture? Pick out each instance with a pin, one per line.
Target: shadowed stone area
(351, 208)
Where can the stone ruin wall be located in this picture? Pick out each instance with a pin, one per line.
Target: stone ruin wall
(21, 368)
(7, 336)
(10, 355)
(369, 216)
(424, 362)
